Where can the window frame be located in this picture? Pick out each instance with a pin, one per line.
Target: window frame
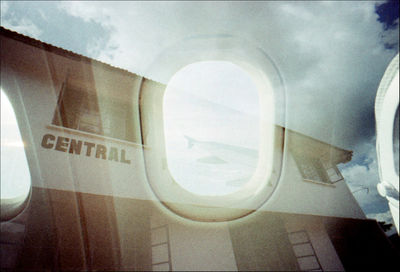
(265, 181)
(89, 101)
(320, 167)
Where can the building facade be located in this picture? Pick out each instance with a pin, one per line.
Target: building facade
(88, 133)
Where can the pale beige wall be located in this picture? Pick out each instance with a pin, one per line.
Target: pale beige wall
(193, 246)
(321, 245)
(294, 195)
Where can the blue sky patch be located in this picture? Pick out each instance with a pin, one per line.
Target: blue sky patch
(78, 36)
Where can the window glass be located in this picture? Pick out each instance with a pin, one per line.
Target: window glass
(84, 110)
(317, 170)
(309, 168)
(332, 172)
(396, 141)
(15, 175)
(211, 119)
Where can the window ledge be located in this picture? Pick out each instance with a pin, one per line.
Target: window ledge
(95, 136)
(320, 183)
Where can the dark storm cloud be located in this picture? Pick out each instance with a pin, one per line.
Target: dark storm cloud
(388, 13)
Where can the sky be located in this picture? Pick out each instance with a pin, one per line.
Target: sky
(330, 55)
(15, 176)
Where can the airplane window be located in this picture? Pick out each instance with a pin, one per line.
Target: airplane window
(15, 175)
(211, 119)
(396, 141)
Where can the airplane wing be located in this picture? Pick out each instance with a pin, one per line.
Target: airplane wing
(211, 160)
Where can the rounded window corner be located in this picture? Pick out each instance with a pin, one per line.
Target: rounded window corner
(12, 207)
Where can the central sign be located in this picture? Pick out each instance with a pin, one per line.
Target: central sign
(73, 146)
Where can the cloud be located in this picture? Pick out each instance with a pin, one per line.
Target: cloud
(362, 176)
(49, 23)
(390, 37)
(97, 13)
(363, 169)
(388, 13)
(331, 55)
(23, 26)
(4, 6)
